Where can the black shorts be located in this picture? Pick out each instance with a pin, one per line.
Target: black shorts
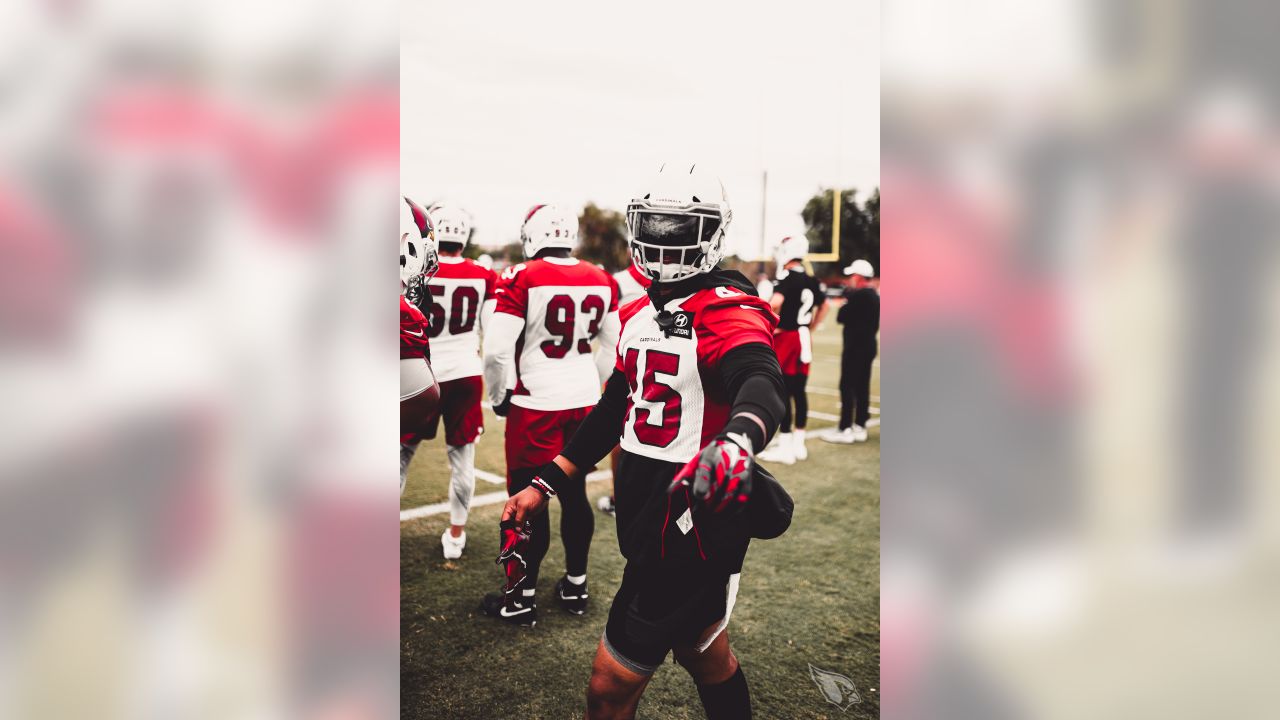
(657, 609)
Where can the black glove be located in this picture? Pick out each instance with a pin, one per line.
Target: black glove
(720, 475)
(501, 409)
(515, 541)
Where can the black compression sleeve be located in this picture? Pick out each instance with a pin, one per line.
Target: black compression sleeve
(599, 433)
(753, 379)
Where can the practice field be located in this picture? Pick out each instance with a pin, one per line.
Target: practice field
(808, 598)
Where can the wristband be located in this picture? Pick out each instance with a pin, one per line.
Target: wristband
(548, 478)
(747, 428)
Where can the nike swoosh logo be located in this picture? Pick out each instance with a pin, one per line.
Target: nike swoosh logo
(503, 612)
(415, 334)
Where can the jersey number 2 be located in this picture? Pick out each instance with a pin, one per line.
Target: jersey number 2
(805, 314)
(665, 430)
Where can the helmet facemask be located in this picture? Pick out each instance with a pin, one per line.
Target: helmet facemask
(672, 244)
(419, 262)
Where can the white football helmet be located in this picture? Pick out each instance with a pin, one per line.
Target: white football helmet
(548, 226)
(419, 258)
(678, 223)
(793, 247)
(452, 223)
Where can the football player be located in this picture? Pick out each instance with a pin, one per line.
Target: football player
(462, 300)
(800, 303)
(695, 390)
(549, 309)
(419, 392)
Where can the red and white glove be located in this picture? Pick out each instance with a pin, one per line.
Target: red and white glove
(515, 541)
(720, 475)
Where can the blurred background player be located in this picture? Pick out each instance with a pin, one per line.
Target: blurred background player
(549, 309)
(695, 387)
(419, 392)
(632, 284)
(800, 303)
(462, 297)
(860, 317)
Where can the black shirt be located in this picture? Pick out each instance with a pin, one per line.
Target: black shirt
(860, 316)
(801, 297)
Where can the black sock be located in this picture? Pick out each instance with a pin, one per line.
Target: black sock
(730, 700)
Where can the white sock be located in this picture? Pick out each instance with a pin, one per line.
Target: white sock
(798, 435)
(576, 579)
(528, 592)
(462, 481)
(406, 455)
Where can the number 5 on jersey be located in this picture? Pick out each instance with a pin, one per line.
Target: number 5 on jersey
(656, 418)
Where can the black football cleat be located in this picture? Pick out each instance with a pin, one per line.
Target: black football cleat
(573, 598)
(515, 608)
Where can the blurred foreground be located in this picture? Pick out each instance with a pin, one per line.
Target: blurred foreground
(1079, 227)
(197, 506)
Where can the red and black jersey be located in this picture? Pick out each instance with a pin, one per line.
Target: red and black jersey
(801, 296)
(677, 401)
(413, 332)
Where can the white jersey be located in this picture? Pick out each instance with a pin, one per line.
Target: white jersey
(548, 312)
(631, 284)
(459, 292)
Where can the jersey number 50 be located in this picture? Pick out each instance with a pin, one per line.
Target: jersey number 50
(464, 306)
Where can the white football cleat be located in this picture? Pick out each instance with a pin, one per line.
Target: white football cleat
(839, 437)
(453, 545)
(799, 450)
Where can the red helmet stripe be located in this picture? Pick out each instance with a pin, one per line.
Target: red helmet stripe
(420, 218)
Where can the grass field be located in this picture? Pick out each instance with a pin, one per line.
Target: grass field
(809, 597)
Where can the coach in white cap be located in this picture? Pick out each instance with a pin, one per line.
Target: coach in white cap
(860, 317)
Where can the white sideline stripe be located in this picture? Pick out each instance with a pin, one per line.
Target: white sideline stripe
(492, 498)
(836, 418)
(818, 389)
(489, 477)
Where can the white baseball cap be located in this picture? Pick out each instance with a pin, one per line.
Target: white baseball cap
(860, 267)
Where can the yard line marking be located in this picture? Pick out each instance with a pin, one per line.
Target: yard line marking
(824, 416)
(492, 498)
(489, 477)
(818, 389)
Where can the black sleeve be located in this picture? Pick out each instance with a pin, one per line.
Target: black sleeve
(600, 432)
(753, 379)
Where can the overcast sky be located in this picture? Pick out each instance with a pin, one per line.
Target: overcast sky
(507, 105)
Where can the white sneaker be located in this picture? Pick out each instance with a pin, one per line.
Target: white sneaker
(859, 433)
(453, 545)
(841, 437)
(780, 451)
(801, 452)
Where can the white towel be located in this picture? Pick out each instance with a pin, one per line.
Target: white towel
(806, 345)
(730, 597)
